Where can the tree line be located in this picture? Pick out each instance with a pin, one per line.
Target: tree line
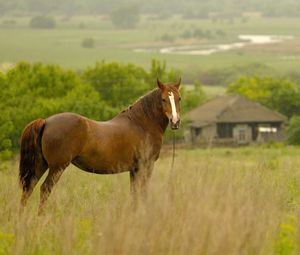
(31, 91)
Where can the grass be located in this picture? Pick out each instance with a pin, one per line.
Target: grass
(218, 201)
(63, 44)
(212, 91)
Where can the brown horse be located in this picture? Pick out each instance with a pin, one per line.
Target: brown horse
(131, 141)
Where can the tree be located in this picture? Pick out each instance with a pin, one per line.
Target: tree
(118, 84)
(31, 91)
(278, 94)
(293, 132)
(43, 22)
(126, 16)
(192, 98)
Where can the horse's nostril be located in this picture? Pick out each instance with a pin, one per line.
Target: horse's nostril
(175, 125)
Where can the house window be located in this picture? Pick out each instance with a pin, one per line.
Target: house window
(198, 131)
(267, 129)
(225, 130)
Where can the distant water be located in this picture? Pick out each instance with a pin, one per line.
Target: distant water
(205, 50)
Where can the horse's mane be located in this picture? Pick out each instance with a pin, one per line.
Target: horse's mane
(149, 105)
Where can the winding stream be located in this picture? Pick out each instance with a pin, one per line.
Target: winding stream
(204, 50)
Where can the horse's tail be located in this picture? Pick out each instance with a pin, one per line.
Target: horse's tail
(31, 156)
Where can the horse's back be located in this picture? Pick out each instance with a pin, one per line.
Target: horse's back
(63, 138)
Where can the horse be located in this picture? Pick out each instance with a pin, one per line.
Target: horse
(129, 142)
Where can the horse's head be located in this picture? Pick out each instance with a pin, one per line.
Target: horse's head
(171, 102)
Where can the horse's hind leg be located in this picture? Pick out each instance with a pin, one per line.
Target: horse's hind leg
(47, 186)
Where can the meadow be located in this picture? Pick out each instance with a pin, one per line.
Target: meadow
(231, 201)
(63, 44)
(214, 201)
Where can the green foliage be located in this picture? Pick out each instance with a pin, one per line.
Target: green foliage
(6, 124)
(31, 91)
(118, 84)
(293, 132)
(192, 97)
(278, 94)
(88, 43)
(126, 16)
(37, 91)
(6, 241)
(44, 22)
(159, 70)
(285, 244)
(167, 37)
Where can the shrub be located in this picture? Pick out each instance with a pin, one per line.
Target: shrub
(186, 34)
(44, 22)
(126, 16)
(167, 37)
(118, 84)
(293, 132)
(9, 23)
(278, 94)
(88, 43)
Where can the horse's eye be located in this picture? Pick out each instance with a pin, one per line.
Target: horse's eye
(179, 98)
(164, 100)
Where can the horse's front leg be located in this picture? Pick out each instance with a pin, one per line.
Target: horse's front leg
(139, 181)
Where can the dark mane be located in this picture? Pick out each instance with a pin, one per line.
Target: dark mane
(151, 102)
(149, 105)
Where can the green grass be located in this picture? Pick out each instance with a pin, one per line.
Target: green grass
(63, 45)
(218, 201)
(212, 91)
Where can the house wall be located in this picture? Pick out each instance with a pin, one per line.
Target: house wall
(276, 136)
(204, 135)
(241, 134)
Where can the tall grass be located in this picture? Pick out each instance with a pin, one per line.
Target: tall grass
(218, 201)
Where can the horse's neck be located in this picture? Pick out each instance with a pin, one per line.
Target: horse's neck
(148, 117)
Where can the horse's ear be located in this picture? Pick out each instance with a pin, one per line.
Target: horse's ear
(160, 84)
(177, 84)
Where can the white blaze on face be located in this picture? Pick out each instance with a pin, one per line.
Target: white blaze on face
(173, 107)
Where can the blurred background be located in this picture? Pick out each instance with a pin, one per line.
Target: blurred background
(240, 66)
(95, 57)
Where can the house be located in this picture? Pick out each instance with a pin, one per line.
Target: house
(234, 120)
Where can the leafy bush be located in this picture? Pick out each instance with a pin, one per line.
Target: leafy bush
(126, 16)
(278, 94)
(118, 84)
(37, 91)
(167, 37)
(293, 132)
(192, 98)
(285, 244)
(44, 22)
(9, 23)
(31, 91)
(88, 43)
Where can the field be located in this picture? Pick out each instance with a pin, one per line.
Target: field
(63, 44)
(215, 201)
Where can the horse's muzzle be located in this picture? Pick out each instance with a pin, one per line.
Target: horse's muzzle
(175, 125)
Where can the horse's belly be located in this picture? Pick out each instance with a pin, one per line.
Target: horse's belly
(102, 167)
